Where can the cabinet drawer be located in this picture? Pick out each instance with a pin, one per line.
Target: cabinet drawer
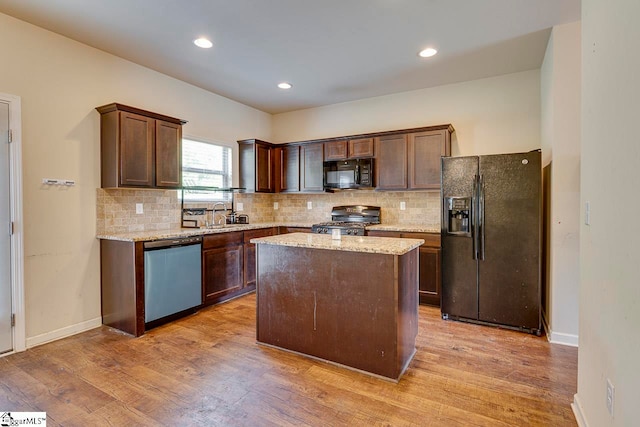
(430, 239)
(221, 239)
(262, 232)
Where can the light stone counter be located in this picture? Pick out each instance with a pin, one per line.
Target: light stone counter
(145, 236)
(376, 245)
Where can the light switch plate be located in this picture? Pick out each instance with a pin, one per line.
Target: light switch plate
(587, 213)
(139, 208)
(309, 205)
(275, 206)
(239, 207)
(403, 206)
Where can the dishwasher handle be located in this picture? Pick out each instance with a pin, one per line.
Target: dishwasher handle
(170, 243)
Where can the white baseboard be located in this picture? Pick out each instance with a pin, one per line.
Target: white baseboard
(577, 412)
(564, 339)
(64, 332)
(558, 337)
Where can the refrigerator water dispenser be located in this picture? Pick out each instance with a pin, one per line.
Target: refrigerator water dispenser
(458, 215)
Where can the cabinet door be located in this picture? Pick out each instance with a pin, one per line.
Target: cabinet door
(168, 154)
(362, 147)
(335, 150)
(425, 149)
(250, 253)
(430, 283)
(264, 169)
(222, 271)
(136, 150)
(391, 162)
(311, 157)
(290, 169)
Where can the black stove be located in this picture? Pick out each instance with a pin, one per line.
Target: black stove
(350, 220)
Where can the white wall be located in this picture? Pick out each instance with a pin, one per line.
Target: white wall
(493, 115)
(609, 250)
(61, 82)
(560, 95)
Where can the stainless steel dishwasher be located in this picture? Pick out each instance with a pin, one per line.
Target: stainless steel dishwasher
(172, 276)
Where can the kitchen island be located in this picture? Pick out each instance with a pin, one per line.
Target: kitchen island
(352, 301)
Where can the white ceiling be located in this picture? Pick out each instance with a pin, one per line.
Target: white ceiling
(330, 50)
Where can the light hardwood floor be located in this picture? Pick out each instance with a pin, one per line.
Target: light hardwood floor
(207, 370)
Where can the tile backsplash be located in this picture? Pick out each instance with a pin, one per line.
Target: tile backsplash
(116, 208)
(422, 207)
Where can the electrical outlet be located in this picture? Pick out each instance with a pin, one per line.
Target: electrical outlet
(139, 208)
(610, 396)
(309, 205)
(239, 207)
(275, 206)
(403, 206)
(587, 213)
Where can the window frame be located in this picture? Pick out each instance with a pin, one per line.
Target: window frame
(226, 173)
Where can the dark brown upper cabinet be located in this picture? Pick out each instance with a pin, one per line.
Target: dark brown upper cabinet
(139, 148)
(311, 168)
(411, 161)
(348, 149)
(391, 162)
(288, 168)
(425, 150)
(407, 159)
(257, 166)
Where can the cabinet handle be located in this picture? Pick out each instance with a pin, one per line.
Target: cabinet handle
(315, 306)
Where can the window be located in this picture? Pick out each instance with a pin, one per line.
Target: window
(205, 165)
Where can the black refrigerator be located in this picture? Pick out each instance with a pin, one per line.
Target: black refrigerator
(491, 240)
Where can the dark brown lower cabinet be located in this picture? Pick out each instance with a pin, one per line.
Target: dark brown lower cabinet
(430, 283)
(285, 230)
(222, 266)
(122, 285)
(430, 277)
(250, 255)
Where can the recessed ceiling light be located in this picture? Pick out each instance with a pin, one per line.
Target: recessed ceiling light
(427, 52)
(284, 85)
(203, 43)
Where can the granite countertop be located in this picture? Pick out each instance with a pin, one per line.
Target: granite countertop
(145, 236)
(376, 245)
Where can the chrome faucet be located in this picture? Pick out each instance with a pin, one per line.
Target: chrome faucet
(222, 217)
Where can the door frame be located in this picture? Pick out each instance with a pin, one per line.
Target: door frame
(17, 239)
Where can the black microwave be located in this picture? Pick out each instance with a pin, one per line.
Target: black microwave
(345, 174)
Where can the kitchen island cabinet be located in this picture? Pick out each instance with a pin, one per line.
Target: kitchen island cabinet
(352, 302)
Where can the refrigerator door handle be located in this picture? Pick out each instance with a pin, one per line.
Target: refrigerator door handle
(474, 217)
(481, 216)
